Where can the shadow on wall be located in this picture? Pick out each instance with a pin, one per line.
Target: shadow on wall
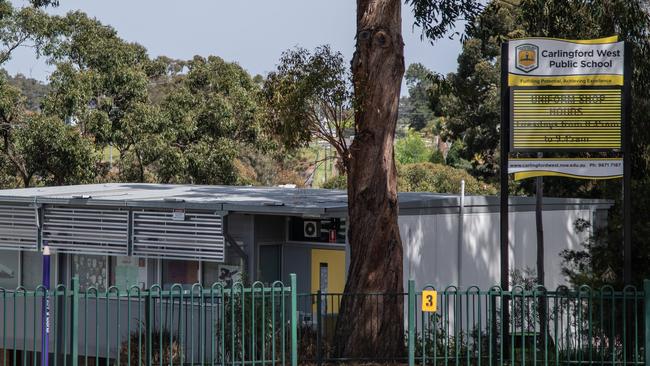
(431, 247)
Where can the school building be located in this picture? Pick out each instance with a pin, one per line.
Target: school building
(125, 234)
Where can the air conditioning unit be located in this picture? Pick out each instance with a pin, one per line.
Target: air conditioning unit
(311, 229)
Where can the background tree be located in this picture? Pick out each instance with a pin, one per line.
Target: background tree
(38, 149)
(24, 26)
(469, 98)
(416, 110)
(11, 117)
(308, 97)
(215, 112)
(55, 152)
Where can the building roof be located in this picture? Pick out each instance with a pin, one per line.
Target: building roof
(271, 200)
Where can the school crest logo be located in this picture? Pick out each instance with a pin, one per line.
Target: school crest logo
(527, 57)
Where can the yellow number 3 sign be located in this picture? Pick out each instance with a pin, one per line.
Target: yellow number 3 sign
(429, 301)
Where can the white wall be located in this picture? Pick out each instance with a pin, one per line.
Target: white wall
(431, 246)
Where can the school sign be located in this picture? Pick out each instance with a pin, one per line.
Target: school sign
(565, 106)
(566, 95)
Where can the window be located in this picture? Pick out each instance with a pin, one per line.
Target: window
(270, 263)
(317, 230)
(92, 271)
(179, 271)
(8, 269)
(32, 273)
(127, 272)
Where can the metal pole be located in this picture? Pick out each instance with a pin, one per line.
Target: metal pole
(646, 293)
(461, 223)
(539, 210)
(503, 207)
(294, 320)
(319, 327)
(45, 307)
(411, 322)
(74, 331)
(627, 169)
(504, 167)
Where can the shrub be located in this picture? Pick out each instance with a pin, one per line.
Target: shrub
(411, 149)
(428, 177)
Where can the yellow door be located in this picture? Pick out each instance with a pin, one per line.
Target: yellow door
(328, 274)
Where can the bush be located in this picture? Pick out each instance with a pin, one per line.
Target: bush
(138, 349)
(437, 157)
(336, 182)
(411, 149)
(428, 177)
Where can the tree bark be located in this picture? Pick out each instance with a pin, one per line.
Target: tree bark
(370, 326)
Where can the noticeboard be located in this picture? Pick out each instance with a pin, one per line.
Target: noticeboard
(574, 119)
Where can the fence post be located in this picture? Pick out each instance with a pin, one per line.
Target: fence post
(294, 320)
(148, 324)
(411, 322)
(319, 327)
(74, 331)
(646, 304)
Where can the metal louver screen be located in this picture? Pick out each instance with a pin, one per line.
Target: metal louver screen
(18, 228)
(86, 230)
(192, 235)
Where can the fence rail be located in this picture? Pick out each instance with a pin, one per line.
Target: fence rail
(175, 326)
(564, 326)
(273, 325)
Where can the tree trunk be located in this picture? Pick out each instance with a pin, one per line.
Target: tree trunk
(371, 326)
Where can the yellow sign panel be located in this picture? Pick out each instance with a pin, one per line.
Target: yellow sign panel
(430, 301)
(572, 80)
(566, 119)
(561, 62)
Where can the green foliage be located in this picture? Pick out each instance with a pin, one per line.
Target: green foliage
(411, 149)
(416, 110)
(336, 182)
(40, 149)
(428, 177)
(437, 157)
(469, 98)
(21, 26)
(54, 151)
(32, 89)
(214, 112)
(454, 158)
(437, 17)
(309, 97)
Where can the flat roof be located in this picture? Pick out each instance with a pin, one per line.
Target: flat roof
(271, 200)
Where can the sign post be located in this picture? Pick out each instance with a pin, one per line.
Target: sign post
(45, 307)
(565, 97)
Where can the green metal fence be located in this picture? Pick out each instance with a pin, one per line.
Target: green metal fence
(531, 326)
(495, 327)
(262, 325)
(179, 325)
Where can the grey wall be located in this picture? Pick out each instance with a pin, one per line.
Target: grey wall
(297, 259)
(431, 246)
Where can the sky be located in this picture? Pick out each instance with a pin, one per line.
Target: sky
(252, 33)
